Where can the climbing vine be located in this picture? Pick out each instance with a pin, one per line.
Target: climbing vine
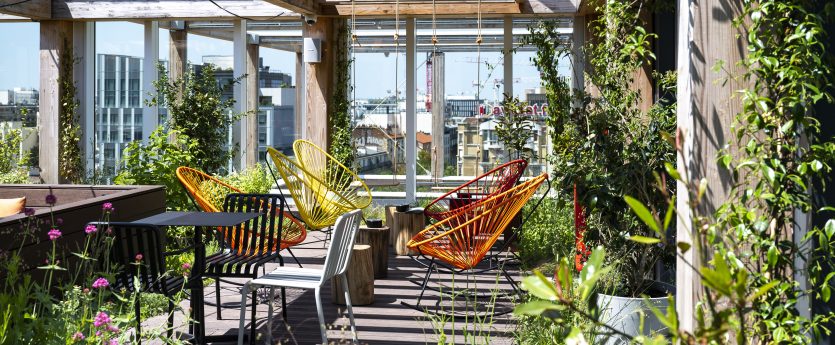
(339, 120)
(70, 167)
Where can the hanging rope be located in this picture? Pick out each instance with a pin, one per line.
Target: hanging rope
(434, 28)
(353, 26)
(478, 41)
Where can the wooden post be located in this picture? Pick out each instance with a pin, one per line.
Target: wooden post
(389, 210)
(150, 114)
(360, 274)
(319, 86)
(406, 226)
(252, 65)
(299, 107)
(378, 239)
(177, 53)
(55, 36)
(706, 108)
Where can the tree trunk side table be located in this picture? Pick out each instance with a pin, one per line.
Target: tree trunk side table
(378, 239)
(360, 274)
(406, 225)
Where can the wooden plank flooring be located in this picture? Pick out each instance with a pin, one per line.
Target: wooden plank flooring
(386, 321)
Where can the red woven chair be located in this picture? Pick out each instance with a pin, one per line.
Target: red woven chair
(465, 239)
(497, 180)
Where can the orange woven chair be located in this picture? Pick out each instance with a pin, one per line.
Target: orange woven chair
(209, 193)
(465, 239)
(497, 180)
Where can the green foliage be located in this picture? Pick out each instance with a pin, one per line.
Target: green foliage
(514, 129)
(12, 162)
(548, 234)
(196, 109)
(156, 164)
(341, 128)
(605, 144)
(70, 167)
(255, 179)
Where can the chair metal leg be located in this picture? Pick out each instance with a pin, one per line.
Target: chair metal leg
(350, 308)
(321, 315)
(138, 334)
(217, 297)
(243, 316)
(254, 307)
(425, 282)
(270, 316)
(294, 257)
(170, 323)
(284, 304)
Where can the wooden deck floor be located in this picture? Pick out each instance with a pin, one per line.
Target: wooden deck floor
(386, 321)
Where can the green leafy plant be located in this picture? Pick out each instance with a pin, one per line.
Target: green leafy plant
(339, 120)
(197, 110)
(548, 233)
(70, 167)
(12, 161)
(604, 143)
(514, 129)
(156, 164)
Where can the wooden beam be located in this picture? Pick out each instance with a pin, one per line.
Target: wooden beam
(32, 9)
(559, 7)
(251, 141)
(423, 8)
(165, 10)
(305, 7)
(177, 53)
(55, 37)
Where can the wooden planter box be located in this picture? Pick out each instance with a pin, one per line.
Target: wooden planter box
(76, 206)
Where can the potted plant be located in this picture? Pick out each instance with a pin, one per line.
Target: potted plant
(607, 146)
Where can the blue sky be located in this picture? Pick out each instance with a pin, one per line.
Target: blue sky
(19, 63)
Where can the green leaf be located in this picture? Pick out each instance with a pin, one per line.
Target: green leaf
(825, 293)
(671, 170)
(52, 268)
(644, 239)
(671, 208)
(536, 308)
(539, 286)
(772, 256)
(762, 290)
(683, 246)
(829, 228)
(816, 165)
(643, 213)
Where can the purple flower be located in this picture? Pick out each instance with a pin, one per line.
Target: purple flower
(138, 257)
(112, 329)
(101, 319)
(54, 234)
(29, 211)
(98, 333)
(90, 229)
(51, 199)
(77, 336)
(113, 342)
(107, 207)
(101, 283)
(59, 221)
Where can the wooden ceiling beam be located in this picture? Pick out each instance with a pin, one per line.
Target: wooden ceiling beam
(304, 7)
(10, 18)
(32, 9)
(82, 10)
(387, 9)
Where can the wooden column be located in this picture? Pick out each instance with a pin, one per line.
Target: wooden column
(319, 79)
(438, 104)
(507, 51)
(177, 51)
(55, 36)
(706, 108)
(252, 64)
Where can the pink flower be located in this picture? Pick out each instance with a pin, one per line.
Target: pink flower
(90, 229)
(113, 342)
(186, 268)
(107, 207)
(138, 257)
(112, 329)
(109, 230)
(77, 336)
(101, 283)
(101, 319)
(86, 290)
(54, 234)
(98, 333)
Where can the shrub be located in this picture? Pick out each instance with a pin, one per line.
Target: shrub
(548, 234)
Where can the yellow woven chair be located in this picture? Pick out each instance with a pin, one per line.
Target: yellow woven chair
(209, 193)
(322, 188)
(463, 240)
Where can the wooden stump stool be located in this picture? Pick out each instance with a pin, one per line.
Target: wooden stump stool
(406, 225)
(360, 274)
(378, 239)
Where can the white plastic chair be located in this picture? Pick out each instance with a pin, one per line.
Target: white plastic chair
(336, 262)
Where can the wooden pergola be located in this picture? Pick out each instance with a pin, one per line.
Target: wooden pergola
(701, 34)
